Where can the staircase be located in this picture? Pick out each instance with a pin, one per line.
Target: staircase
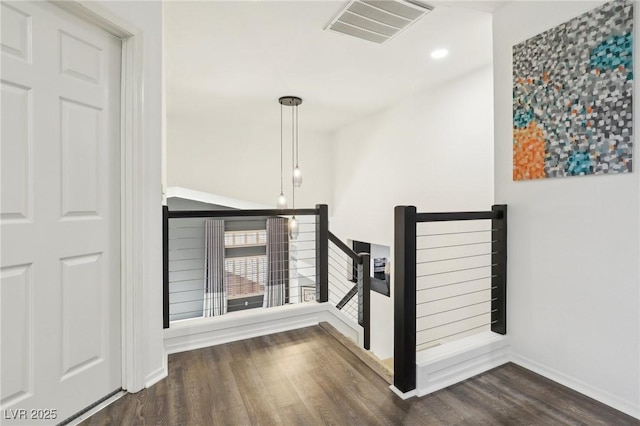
(365, 356)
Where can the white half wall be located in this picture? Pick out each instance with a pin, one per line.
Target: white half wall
(446, 365)
(381, 326)
(241, 159)
(434, 150)
(203, 332)
(573, 286)
(147, 16)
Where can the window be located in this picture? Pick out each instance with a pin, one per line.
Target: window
(245, 268)
(245, 238)
(246, 276)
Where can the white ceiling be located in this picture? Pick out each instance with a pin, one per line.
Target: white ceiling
(230, 61)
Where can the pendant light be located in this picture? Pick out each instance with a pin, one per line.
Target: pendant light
(293, 102)
(294, 228)
(297, 173)
(282, 200)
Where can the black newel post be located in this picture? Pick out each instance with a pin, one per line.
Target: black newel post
(322, 253)
(364, 297)
(404, 282)
(165, 267)
(499, 270)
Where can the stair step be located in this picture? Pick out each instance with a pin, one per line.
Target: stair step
(388, 363)
(365, 356)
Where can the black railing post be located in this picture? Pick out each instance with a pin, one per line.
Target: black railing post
(404, 315)
(165, 266)
(322, 253)
(364, 297)
(499, 270)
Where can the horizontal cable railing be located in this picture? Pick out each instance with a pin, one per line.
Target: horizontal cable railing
(248, 258)
(453, 279)
(350, 283)
(341, 283)
(450, 281)
(245, 264)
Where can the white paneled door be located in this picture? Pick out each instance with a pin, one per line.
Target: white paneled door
(59, 214)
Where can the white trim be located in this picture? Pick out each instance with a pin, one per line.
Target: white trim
(159, 374)
(443, 366)
(132, 215)
(206, 197)
(199, 333)
(402, 395)
(627, 407)
(131, 180)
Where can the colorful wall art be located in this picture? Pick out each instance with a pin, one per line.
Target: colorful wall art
(572, 97)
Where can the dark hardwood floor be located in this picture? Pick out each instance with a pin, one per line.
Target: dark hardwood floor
(306, 377)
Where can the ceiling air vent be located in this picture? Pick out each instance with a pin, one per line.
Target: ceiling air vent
(377, 20)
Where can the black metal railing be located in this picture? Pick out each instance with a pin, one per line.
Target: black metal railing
(343, 291)
(309, 268)
(449, 281)
(244, 258)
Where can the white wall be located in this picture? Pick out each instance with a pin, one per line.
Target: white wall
(573, 286)
(147, 16)
(241, 159)
(434, 151)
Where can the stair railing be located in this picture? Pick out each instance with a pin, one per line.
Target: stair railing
(314, 263)
(348, 281)
(449, 282)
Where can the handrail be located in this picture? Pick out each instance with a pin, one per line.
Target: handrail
(345, 248)
(454, 216)
(185, 214)
(362, 287)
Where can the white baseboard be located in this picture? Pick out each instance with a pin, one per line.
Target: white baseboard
(439, 367)
(157, 375)
(403, 395)
(600, 395)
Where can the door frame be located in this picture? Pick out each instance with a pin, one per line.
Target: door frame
(131, 183)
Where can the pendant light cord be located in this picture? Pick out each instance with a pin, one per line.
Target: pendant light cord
(297, 137)
(293, 188)
(281, 155)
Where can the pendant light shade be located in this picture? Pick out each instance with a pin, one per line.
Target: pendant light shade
(294, 228)
(282, 201)
(297, 177)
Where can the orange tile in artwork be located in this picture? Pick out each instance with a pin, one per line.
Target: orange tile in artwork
(528, 152)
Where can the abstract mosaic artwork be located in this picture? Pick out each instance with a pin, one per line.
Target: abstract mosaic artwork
(572, 97)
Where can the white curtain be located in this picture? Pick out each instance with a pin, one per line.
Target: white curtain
(215, 295)
(277, 262)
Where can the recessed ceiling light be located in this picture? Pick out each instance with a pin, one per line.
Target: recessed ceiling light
(439, 53)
